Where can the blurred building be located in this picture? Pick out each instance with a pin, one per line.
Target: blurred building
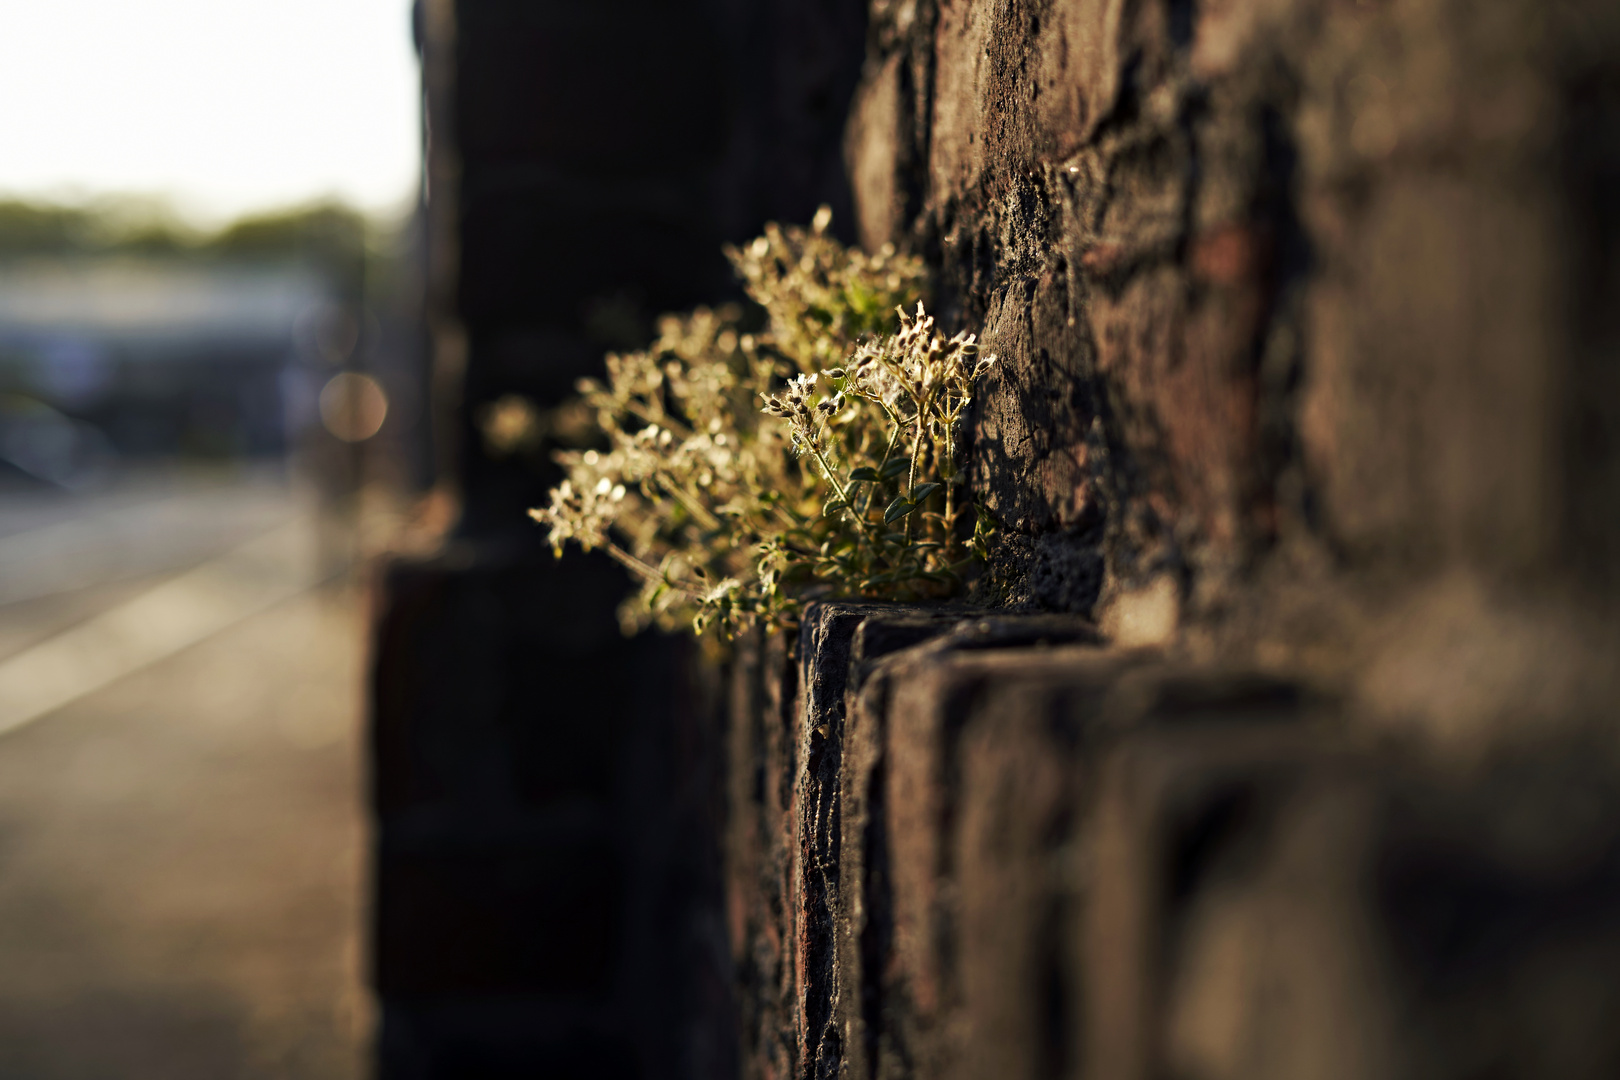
(290, 332)
(142, 357)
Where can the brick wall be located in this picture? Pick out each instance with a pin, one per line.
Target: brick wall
(969, 845)
(1281, 743)
(1299, 303)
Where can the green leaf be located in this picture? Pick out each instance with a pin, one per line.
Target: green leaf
(865, 474)
(898, 509)
(922, 491)
(896, 467)
(833, 506)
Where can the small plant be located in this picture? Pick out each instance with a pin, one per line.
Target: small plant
(744, 473)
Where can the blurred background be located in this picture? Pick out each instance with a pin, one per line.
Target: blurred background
(212, 392)
(314, 762)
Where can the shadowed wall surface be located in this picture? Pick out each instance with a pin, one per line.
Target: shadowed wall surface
(547, 874)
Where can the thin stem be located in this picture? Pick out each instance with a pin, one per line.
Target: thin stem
(899, 377)
(827, 471)
(843, 494)
(688, 500)
(661, 419)
(894, 436)
(888, 451)
(651, 573)
(782, 513)
(911, 480)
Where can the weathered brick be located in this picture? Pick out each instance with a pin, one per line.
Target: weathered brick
(900, 798)
(759, 853)
(966, 797)
(1171, 801)
(1316, 911)
(838, 644)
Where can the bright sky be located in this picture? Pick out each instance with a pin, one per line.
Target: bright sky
(222, 106)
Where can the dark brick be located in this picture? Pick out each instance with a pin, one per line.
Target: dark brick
(518, 918)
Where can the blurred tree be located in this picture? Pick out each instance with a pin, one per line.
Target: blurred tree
(35, 228)
(332, 236)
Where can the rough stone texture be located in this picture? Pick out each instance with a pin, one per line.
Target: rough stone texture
(759, 860)
(989, 798)
(1307, 396)
(1305, 311)
(1073, 860)
(794, 929)
(1350, 915)
(1300, 303)
(838, 643)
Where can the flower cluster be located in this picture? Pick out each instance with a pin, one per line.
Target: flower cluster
(822, 297)
(806, 421)
(727, 511)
